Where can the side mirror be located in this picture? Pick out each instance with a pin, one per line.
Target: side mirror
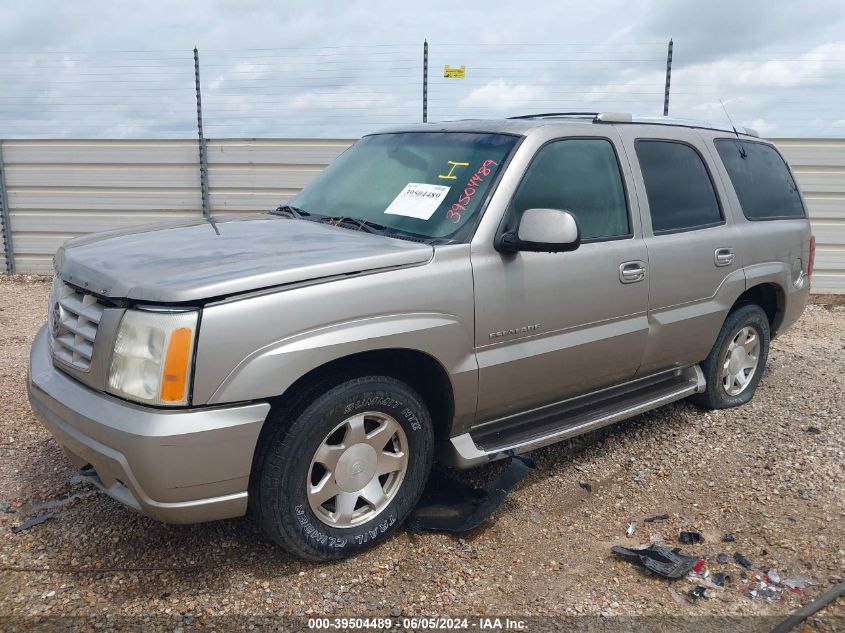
(543, 231)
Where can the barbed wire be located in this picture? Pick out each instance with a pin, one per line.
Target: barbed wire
(346, 91)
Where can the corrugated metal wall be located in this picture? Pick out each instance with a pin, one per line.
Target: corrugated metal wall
(61, 188)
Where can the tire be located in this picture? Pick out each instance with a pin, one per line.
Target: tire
(725, 390)
(331, 418)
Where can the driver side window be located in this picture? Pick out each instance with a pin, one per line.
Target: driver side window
(580, 176)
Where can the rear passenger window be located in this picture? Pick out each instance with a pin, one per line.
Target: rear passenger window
(580, 176)
(763, 184)
(680, 193)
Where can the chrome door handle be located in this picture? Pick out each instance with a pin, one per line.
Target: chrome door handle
(724, 256)
(631, 272)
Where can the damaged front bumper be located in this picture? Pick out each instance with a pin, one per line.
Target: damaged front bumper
(178, 466)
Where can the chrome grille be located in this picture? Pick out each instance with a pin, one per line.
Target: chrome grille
(74, 318)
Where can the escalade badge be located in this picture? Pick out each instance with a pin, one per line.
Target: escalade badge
(525, 329)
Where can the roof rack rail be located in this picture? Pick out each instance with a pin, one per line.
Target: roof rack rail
(551, 115)
(705, 125)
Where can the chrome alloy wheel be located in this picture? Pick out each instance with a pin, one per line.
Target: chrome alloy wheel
(740, 361)
(357, 469)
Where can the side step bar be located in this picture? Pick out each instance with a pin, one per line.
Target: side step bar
(553, 423)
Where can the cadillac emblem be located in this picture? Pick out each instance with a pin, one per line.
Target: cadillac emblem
(55, 319)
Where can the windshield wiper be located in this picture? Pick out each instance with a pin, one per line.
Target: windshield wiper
(363, 225)
(289, 211)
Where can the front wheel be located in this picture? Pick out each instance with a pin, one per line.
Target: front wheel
(735, 364)
(341, 474)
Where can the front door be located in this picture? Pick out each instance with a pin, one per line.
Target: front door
(554, 325)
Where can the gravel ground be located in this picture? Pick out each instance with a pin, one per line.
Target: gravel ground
(770, 473)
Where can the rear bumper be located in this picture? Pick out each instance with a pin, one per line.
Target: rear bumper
(183, 466)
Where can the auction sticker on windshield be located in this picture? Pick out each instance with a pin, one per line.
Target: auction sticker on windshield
(418, 200)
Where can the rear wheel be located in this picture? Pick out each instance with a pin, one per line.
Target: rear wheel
(735, 364)
(342, 471)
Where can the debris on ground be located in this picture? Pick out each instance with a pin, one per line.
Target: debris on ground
(742, 560)
(813, 429)
(798, 583)
(450, 505)
(809, 609)
(773, 576)
(6, 507)
(32, 522)
(722, 558)
(697, 592)
(728, 538)
(669, 563)
(632, 527)
(691, 538)
(586, 485)
(658, 517)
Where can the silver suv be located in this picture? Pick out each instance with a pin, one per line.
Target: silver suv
(460, 291)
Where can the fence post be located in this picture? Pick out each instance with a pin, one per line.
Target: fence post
(6, 227)
(668, 79)
(425, 81)
(202, 147)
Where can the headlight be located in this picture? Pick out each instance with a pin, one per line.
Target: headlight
(151, 361)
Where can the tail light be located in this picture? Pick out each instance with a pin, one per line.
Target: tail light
(812, 261)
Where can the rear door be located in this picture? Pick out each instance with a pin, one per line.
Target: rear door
(694, 257)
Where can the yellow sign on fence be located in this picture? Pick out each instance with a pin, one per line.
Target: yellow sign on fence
(454, 72)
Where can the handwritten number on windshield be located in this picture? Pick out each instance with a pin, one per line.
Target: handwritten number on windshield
(474, 182)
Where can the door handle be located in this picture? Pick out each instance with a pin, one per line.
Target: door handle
(631, 272)
(724, 256)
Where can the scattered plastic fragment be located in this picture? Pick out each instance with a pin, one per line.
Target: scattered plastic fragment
(728, 538)
(699, 565)
(773, 576)
(658, 517)
(632, 527)
(722, 579)
(32, 522)
(586, 485)
(798, 582)
(697, 592)
(669, 563)
(690, 538)
(703, 580)
(813, 429)
(742, 560)
(449, 505)
(722, 558)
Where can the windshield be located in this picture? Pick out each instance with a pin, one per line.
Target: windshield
(429, 184)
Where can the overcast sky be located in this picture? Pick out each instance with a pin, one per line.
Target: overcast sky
(121, 69)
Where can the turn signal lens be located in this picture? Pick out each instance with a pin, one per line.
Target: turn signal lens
(176, 366)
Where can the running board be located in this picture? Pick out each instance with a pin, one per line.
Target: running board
(546, 425)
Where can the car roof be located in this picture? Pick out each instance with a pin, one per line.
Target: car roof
(564, 123)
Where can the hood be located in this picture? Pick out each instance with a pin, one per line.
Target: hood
(201, 259)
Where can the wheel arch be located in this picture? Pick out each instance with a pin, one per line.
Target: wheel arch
(419, 370)
(770, 297)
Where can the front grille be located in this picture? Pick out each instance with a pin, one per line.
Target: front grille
(74, 319)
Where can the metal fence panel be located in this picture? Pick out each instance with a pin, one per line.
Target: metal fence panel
(61, 188)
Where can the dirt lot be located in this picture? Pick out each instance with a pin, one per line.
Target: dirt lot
(771, 473)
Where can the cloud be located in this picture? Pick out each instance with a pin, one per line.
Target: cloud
(501, 94)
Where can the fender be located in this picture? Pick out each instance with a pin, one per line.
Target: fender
(271, 370)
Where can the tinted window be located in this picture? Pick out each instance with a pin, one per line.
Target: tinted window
(580, 176)
(762, 182)
(680, 192)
